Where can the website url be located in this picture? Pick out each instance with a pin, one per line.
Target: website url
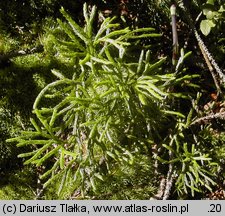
(142, 208)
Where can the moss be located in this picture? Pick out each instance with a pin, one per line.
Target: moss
(18, 185)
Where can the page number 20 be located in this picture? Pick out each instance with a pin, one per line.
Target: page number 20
(215, 208)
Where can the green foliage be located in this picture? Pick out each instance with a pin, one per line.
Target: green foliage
(18, 185)
(113, 118)
(7, 44)
(214, 15)
(10, 127)
(101, 112)
(191, 164)
(125, 182)
(215, 140)
(30, 11)
(134, 181)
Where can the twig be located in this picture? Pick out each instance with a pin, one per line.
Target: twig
(169, 178)
(206, 119)
(39, 188)
(169, 182)
(161, 189)
(209, 65)
(210, 61)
